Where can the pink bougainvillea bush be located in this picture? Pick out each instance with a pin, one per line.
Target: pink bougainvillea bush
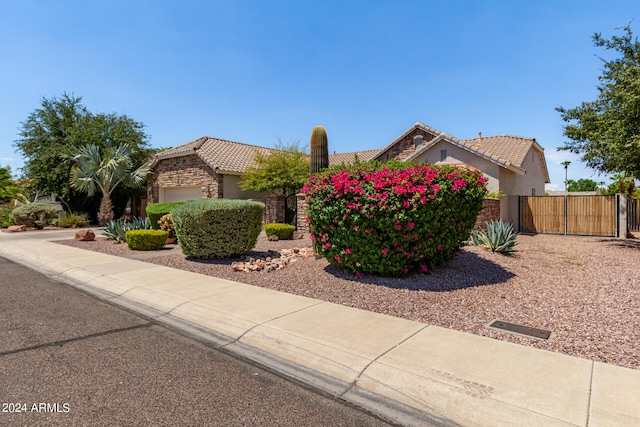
(392, 219)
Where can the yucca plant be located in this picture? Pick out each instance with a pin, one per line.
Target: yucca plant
(499, 237)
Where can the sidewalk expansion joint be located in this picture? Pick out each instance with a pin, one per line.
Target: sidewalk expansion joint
(357, 378)
(71, 340)
(593, 366)
(271, 320)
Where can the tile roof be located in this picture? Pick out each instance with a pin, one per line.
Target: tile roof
(339, 158)
(507, 149)
(227, 156)
(236, 157)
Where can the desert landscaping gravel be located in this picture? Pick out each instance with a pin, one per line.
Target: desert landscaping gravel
(585, 290)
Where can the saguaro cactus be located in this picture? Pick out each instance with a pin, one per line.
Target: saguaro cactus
(319, 147)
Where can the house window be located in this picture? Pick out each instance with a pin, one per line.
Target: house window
(533, 191)
(443, 155)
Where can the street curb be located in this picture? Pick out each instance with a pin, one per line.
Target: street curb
(391, 411)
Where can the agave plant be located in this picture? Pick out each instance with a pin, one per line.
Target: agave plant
(475, 237)
(116, 229)
(499, 237)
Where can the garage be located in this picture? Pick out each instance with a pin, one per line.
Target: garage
(179, 194)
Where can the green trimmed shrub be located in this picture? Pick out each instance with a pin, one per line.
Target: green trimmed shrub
(155, 211)
(117, 229)
(217, 228)
(146, 240)
(392, 219)
(282, 231)
(73, 220)
(34, 215)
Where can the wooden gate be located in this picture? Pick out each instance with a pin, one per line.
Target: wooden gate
(576, 215)
(633, 214)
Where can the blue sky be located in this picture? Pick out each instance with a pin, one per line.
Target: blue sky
(258, 71)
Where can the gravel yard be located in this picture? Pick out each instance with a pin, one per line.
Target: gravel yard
(585, 290)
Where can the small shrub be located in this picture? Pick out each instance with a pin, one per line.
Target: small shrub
(499, 237)
(117, 229)
(217, 228)
(282, 231)
(6, 217)
(34, 215)
(155, 211)
(495, 195)
(392, 218)
(166, 224)
(146, 240)
(73, 220)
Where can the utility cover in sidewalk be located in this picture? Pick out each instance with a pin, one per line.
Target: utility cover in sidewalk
(521, 330)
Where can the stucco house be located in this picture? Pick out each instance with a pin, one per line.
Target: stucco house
(514, 165)
(204, 168)
(211, 167)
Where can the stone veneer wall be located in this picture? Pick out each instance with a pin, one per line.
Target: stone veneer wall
(490, 212)
(184, 171)
(405, 147)
(301, 225)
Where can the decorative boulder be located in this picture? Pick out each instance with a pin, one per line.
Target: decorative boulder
(85, 235)
(17, 228)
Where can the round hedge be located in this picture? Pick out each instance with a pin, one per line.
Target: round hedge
(392, 219)
(217, 228)
(34, 215)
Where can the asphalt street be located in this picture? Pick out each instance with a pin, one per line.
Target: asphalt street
(68, 359)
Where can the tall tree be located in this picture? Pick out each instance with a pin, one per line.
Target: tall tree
(104, 169)
(582, 185)
(63, 125)
(606, 132)
(284, 170)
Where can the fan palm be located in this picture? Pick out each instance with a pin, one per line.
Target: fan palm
(104, 169)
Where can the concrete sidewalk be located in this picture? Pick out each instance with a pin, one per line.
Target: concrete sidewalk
(409, 372)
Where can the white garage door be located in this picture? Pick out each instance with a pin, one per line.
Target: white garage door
(179, 194)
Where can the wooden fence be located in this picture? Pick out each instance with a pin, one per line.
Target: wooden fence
(576, 215)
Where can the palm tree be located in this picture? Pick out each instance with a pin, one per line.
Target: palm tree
(566, 164)
(104, 169)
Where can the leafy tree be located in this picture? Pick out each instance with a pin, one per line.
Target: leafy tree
(10, 190)
(582, 185)
(104, 169)
(606, 132)
(63, 125)
(285, 170)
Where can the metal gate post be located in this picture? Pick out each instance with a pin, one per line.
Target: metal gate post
(519, 214)
(565, 214)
